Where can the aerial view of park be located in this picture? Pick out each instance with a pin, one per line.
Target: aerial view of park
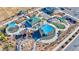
(39, 28)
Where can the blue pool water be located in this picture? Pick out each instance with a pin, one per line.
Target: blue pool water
(47, 29)
(12, 24)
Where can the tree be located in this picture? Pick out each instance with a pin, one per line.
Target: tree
(3, 37)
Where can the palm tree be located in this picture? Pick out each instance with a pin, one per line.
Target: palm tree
(3, 37)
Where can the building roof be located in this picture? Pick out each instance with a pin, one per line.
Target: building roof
(36, 35)
(48, 10)
(33, 20)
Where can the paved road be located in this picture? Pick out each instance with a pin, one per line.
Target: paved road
(74, 46)
(74, 11)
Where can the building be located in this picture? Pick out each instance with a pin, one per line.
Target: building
(32, 21)
(48, 10)
(44, 32)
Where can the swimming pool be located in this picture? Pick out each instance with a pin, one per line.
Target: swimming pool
(47, 29)
(12, 24)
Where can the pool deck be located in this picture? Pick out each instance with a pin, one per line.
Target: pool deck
(72, 45)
